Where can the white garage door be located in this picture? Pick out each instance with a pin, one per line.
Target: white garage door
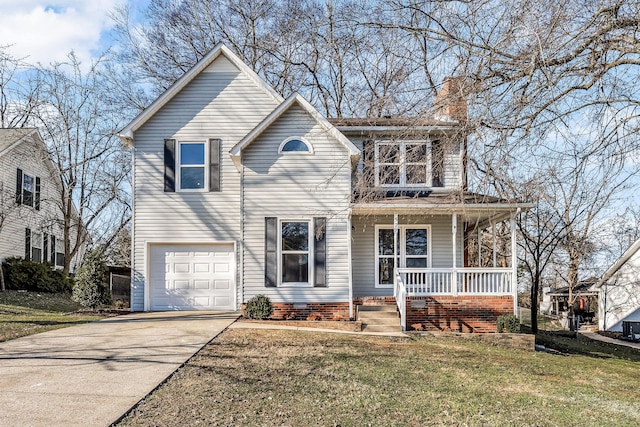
(192, 277)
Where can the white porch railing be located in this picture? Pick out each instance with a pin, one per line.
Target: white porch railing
(400, 294)
(456, 281)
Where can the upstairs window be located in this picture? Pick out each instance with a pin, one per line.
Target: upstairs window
(406, 164)
(192, 170)
(295, 145)
(28, 190)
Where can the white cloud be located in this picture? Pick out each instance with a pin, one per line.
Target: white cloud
(44, 32)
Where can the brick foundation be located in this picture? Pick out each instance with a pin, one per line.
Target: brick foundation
(372, 301)
(311, 311)
(459, 314)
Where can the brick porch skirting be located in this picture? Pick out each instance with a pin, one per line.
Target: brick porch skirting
(457, 313)
(311, 311)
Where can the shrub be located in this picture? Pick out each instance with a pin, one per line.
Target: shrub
(508, 323)
(90, 289)
(21, 274)
(258, 307)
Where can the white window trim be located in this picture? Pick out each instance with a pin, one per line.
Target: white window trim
(299, 138)
(401, 247)
(178, 168)
(40, 245)
(402, 145)
(59, 243)
(33, 190)
(310, 258)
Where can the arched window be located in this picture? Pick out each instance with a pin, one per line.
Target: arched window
(295, 144)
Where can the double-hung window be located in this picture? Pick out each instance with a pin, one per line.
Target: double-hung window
(192, 166)
(36, 247)
(295, 246)
(403, 164)
(27, 189)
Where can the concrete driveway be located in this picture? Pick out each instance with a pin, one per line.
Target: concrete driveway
(89, 375)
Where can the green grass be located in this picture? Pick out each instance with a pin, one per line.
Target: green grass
(28, 313)
(261, 377)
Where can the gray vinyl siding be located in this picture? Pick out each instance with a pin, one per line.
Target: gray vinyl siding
(364, 240)
(452, 163)
(221, 102)
(296, 186)
(46, 220)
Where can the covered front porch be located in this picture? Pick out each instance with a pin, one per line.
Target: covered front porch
(446, 266)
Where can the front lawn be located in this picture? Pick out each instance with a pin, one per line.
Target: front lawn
(28, 313)
(293, 378)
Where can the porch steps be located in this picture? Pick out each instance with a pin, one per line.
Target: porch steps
(379, 318)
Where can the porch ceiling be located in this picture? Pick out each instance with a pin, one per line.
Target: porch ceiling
(470, 207)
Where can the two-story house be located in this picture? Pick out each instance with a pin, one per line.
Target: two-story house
(239, 192)
(30, 220)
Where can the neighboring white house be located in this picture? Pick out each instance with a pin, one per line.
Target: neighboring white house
(239, 192)
(619, 291)
(30, 220)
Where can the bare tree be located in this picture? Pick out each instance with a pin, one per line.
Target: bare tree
(79, 125)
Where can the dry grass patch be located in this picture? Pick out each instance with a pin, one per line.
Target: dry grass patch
(28, 313)
(292, 378)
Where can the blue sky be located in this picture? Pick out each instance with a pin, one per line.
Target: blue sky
(46, 31)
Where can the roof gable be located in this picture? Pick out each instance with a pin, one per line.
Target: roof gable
(626, 256)
(12, 137)
(294, 99)
(220, 50)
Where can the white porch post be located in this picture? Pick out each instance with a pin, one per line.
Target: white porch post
(396, 265)
(454, 232)
(479, 234)
(495, 255)
(350, 263)
(514, 265)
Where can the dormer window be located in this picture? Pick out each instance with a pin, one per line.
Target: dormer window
(407, 164)
(295, 145)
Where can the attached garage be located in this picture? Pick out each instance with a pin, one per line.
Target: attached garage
(191, 277)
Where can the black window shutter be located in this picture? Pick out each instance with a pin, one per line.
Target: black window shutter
(369, 162)
(19, 187)
(53, 250)
(320, 252)
(214, 164)
(36, 203)
(45, 247)
(27, 243)
(271, 252)
(437, 164)
(169, 165)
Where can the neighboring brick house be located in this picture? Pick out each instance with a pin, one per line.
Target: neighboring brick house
(29, 194)
(239, 192)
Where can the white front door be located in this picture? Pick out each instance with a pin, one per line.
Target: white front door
(413, 250)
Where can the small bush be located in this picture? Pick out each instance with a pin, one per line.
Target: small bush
(508, 323)
(90, 289)
(21, 274)
(258, 307)
(314, 317)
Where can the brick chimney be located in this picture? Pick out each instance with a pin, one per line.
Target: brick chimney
(450, 102)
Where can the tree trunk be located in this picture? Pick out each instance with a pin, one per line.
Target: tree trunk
(534, 304)
(2, 285)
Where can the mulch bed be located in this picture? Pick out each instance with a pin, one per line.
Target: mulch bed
(355, 326)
